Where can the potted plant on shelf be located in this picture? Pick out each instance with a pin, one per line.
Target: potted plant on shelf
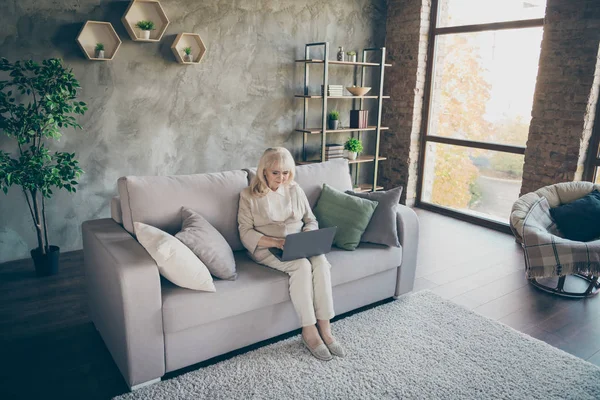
(351, 56)
(145, 27)
(354, 146)
(187, 57)
(334, 119)
(36, 103)
(99, 50)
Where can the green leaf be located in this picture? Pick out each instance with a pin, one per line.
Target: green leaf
(36, 169)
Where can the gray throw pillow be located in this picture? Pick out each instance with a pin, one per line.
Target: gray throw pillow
(207, 244)
(382, 228)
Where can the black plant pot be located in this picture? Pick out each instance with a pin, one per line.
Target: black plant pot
(46, 265)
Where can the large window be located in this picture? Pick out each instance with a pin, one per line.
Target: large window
(481, 78)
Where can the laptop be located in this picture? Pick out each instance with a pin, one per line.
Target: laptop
(305, 244)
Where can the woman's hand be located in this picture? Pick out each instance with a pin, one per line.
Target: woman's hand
(268, 241)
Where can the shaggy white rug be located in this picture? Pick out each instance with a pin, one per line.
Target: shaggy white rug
(417, 347)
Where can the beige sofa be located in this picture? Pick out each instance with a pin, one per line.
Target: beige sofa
(152, 327)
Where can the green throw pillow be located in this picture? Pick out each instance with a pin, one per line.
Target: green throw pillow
(350, 214)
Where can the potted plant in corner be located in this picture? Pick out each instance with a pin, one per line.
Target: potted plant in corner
(334, 119)
(36, 103)
(354, 146)
(187, 54)
(145, 27)
(99, 50)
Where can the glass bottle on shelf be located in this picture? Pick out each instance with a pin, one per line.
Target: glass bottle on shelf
(340, 54)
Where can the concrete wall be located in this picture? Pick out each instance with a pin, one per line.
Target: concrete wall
(149, 115)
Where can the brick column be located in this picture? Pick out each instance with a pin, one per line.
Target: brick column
(407, 30)
(565, 96)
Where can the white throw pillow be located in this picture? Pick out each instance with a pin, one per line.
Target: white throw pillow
(175, 261)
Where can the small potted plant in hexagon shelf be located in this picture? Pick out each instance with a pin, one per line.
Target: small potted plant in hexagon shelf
(145, 27)
(99, 50)
(187, 54)
(354, 146)
(351, 56)
(334, 119)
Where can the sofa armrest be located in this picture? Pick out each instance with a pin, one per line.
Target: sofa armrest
(124, 299)
(408, 234)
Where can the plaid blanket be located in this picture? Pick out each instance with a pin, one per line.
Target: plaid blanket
(547, 254)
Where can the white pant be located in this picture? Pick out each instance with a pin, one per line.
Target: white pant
(310, 286)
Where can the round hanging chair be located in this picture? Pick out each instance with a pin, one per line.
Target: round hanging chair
(547, 253)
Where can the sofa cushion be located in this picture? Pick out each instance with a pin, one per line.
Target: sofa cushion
(311, 177)
(256, 286)
(349, 214)
(368, 259)
(259, 286)
(175, 262)
(157, 201)
(115, 210)
(382, 227)
(207, 244)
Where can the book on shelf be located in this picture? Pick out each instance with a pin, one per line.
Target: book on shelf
(333, 90)
(359, 119)
(333, 151)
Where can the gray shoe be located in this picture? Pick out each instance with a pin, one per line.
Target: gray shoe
(336, 348)
(319, 352)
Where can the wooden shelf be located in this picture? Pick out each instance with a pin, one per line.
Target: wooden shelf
(364, 159)
(94, 32)
(145, 10)
(368, 54)
(308, 96)
(192, 40)
(318, 130)
(366, 187)
(336, 62)
(359, 159)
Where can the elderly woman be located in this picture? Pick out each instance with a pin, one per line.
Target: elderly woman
(272, 207)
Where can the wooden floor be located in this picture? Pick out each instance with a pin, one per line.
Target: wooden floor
(49, 348)
(483, 270)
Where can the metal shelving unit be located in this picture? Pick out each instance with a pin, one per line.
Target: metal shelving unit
(323, 131)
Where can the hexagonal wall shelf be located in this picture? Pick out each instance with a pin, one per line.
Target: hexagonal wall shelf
(192, 40)
(94, 32)
(145, 10)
